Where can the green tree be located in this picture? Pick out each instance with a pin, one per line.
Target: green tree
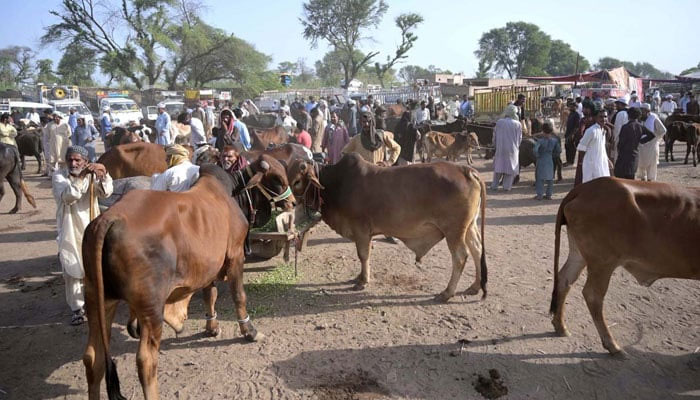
(691, 70)
(77, 65)
(518, 49)
(45, 73)
(15, 65)
(287, 67)
(406, 23)
(342, 24)
(562, 60)
(131, 48)
(484, 68)
(329, 69)
(643, 69)
(410, 73)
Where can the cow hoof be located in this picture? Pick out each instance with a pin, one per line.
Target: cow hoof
(253, 335)
(560, 330)
(443, 297)
(619, 354)
(359, 286)
(212, 332)
(134, 329)
(14, 210)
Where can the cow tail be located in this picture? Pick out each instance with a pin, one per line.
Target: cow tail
(484, 271)
(111, 376)
(561, 220)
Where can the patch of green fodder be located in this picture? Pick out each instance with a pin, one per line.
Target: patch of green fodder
(269, 289)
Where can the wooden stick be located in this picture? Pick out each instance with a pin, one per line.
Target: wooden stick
(92, 196)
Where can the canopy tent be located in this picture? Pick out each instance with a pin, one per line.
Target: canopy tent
(620, 78)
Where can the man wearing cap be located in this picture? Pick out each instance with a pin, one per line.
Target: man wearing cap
(668, 106)
(634, 101)
(573, 124)
(162, 126)
(72, 119)
(71, 190)
(507, 135)
(181, 173)
(285, 120)
(85, 136)
(47, 124)
(422, 114)
(59, 140)
(34, 116)
(619, 120)
(649, 152)
(352, 118)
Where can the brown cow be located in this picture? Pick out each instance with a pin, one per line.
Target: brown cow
(450, 145)
(263, 138)
(153, 250)
(134, 159)
(648, 228)
(353, 197)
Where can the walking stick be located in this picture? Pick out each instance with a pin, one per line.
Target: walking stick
(92, 196)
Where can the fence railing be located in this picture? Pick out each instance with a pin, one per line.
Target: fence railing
(495, 100)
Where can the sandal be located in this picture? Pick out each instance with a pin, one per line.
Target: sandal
(78, 318)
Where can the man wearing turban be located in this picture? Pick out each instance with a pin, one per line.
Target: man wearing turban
(71, 190)
(507, 135)
(181, 173)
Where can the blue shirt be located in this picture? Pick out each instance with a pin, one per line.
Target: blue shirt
(310, 106)
(105, 125)
(163, 129)
(466, 109)
(82, 134)
(73, 121)
(243, 133)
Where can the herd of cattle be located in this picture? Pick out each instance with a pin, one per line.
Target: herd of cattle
(154, 250)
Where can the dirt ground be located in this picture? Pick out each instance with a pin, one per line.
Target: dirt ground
(392, 340)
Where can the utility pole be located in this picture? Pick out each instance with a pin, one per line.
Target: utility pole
(576, 71)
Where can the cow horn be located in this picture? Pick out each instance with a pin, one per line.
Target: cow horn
(264, 165)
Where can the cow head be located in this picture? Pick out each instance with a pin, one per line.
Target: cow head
(305, 183)
(270, 178)
(469, 139)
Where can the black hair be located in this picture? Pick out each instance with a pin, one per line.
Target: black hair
(238, 113)
(4, 116)
(633, 113)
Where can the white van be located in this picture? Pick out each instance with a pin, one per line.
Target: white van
(9, 106)
(123, 110)
(63, 107)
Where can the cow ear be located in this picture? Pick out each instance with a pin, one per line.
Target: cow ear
(315, 182)
(254, 181)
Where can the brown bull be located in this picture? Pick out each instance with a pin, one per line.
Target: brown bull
(262, 138)
(354, 202)
(134, 159)
(648, 228)
(153, 250)
(450, 145)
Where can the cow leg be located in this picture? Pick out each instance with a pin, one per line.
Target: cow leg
(132, 326)
(94, 356)
(568, 274)
(210, 294)
(687, 153)
(15, 185)
(362, 244)
(235, 276)
(473, 241)
(147, 356)
(458, 250)
(175, 313)
(38, 161)
(21, 161)
(594, 293)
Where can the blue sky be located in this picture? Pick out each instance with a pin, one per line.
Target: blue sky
(663, 33)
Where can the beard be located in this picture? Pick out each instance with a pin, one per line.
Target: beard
(76, 170)
(226, 165)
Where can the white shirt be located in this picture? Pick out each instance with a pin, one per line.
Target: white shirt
(635, 104)
(73, 216)
(422, 115)
(595, 161)
(176, 179)
(197, 133)
(668, 106)
(34, 117)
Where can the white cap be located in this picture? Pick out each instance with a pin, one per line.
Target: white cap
(161, 105)
(105, 108)
(668, 96)
(646, 106)
(621, 100)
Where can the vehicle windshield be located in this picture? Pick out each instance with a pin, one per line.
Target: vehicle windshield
(123, 107)
(79, 108)
(174, 108)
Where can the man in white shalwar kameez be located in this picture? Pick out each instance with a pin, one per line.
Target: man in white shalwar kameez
(507, 135)
(71, 190)
(181, 173)
(592, 148)
(59, 140)
(649, 152)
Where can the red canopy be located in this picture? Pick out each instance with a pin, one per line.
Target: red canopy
(604, 75)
